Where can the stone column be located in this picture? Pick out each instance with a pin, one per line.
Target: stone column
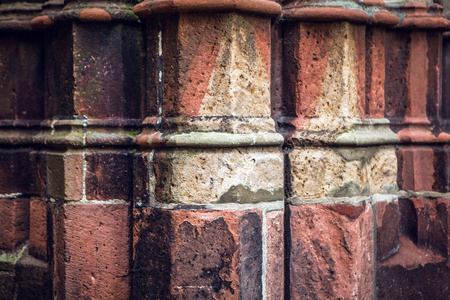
(208, 210)
(21, 111)
(339, 157)
(93, 78)
(416, 264)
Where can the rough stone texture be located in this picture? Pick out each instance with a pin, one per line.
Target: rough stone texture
(6, 284)
(419, 269)
(375, 72)
(33, 279)
(331, 252)
(14, 225)
(108, 175)
(341, 172)
(93, 251)
(65, 175)
(40, 234)
(388, 220)
(423, 168)
(107, 81)
(142, 182)
(13, 171)
(37, 173)
(324, 65)
(275, 271)
(221, 59)
(21, 75)
(189, 254)
(244, 175)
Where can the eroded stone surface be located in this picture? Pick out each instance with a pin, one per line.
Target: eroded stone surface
(187, 254)
(331, 252)
(210, 175)
(275, 255)
(15, 223)
(65, 175)
(344, 172)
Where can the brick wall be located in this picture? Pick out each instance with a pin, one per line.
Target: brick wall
(224, 150)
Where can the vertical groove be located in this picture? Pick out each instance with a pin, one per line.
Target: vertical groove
(160, 75)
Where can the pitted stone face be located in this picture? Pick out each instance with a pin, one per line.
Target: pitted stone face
(344, 172)
(210, 175)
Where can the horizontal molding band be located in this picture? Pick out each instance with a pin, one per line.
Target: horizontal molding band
(209, 140)
(260, 7)
(356, 201)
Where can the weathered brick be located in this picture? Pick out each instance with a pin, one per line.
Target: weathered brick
(331, 251)
(388, 221)
(40, 233)
(14, 225)
(141, 176)
(184, 254)
(37, 173)
(275, 255)
(423, 168)
(93, 251)
(13, 171)
(65, 175)
(33, 279)
(109, 175)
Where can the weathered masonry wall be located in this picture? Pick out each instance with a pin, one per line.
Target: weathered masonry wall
(244, 149)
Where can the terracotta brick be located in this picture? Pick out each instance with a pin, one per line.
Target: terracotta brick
(37, 173)
(141, 176)
(13, 171)
(388, 222)
(275, 255)
(21, 75)
(65, 175)
(416, 168)
(187, 254)
(375, 72)
(109, 175)
(93, 251)
(331, 251)
(14, 225)
(40, 234)
(419, 269)
(33, 279)
(107, 84)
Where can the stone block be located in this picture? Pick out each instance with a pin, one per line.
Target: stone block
(13, 171)
(15, 223)
(21, 75)
(324, 84)
(331, 252)
(142, 167)
(109, 175)
(275, 255)
(419, 269)
(239, 175)
(423, 168)
(37, 173)
(40, 233)
(65, 175)
(221, 59)
(92, 251)
(33, 279)
(388, 222)
(375, 72)
(188, 254)
(341, 172)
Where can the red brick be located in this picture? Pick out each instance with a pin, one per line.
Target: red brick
(184, 254)
(141, 176)
(331, 251)
(13, 171)
(416, 168)
(40, 220)
(275, 255)
(109, 175)
(93, 251)
(65, 175)
(14, 225)
(33, 279)
(388, 221)
(375, 72)
(37, 171)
